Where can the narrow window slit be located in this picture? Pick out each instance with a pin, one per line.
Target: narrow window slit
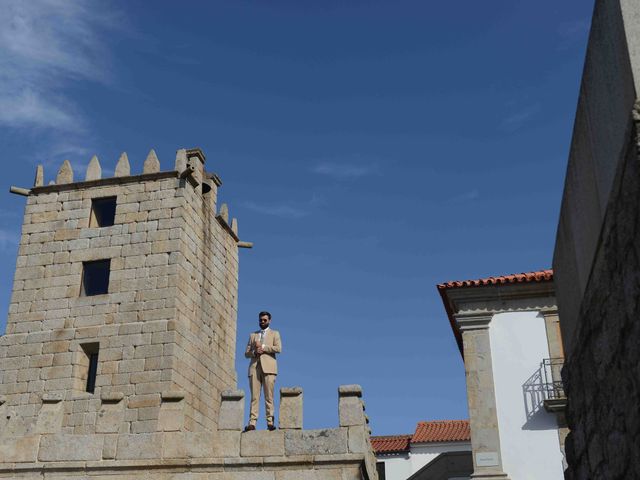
(89, 362)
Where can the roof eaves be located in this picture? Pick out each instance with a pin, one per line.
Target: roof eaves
(527, 277)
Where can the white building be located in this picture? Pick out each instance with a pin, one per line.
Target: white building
(508, 332)
(436, 450)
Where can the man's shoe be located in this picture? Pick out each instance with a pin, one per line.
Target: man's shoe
(271, 427)
(249, 427)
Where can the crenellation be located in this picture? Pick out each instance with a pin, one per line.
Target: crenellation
(123, 169)
(94, 170)
(65, 173)
(39, 177)
(181, 160)
(151, 164)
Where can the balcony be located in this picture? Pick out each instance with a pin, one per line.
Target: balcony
(544, 389)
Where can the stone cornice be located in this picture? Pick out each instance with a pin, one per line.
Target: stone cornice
(103, 182)
(489, 300)
(549, 311)
(504, 291)
(473, 322)
(179, 465)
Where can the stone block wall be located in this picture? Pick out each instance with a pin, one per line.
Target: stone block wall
(341, 453)
(602, 374)
(164, 331)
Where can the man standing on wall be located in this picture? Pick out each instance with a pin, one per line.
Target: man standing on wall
(262, 348)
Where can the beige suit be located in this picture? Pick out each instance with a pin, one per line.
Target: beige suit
(263, 369)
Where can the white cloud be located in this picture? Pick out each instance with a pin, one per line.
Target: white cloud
(466, 196)
(345, 171)
(44, 46)
(288, 210)
(277, 210)
(28, 108)
(517, 120)
(573, 34)
(64, 149)
(575, 29)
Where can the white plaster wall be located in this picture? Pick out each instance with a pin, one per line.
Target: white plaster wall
(423, 454)
(397, 467)
(402, 466)
(530, 448)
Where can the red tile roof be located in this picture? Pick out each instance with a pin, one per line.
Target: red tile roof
(539, 276)
(391, 443)
(426, 432)
(528, 277)
(442, 431)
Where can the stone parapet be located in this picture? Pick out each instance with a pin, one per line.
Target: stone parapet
(344, 467)
(290, 408)
(306, 452)
(231, 415)
(350, 406)
(342, 453)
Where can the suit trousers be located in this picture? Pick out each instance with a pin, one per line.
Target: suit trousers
(261, 381)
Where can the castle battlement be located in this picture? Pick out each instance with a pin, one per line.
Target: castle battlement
(119, 354)
(290, 452)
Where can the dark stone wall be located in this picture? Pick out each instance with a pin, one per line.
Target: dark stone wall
(602, 373)
(607, 93)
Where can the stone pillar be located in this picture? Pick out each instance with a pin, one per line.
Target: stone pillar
(554, 340)
(111, 415)
(50, 416)
(171, 414)
(350, 406)
(231, 416)
(485, 437)
(290, 417)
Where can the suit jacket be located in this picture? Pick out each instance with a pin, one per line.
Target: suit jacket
(267, 360)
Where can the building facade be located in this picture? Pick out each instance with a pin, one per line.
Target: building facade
(508, 333)
(436, 450)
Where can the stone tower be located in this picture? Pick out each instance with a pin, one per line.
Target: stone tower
(120, 345)
(137, 273)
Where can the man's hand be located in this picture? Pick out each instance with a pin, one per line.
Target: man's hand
(258, 349)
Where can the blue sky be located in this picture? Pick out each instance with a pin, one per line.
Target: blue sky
(370, 150)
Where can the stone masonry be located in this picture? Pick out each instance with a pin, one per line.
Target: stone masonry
(596, 258)
(161, 336)
(602, 375)
(166, 325)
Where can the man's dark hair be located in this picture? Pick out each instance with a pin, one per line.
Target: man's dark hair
(261, 314)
